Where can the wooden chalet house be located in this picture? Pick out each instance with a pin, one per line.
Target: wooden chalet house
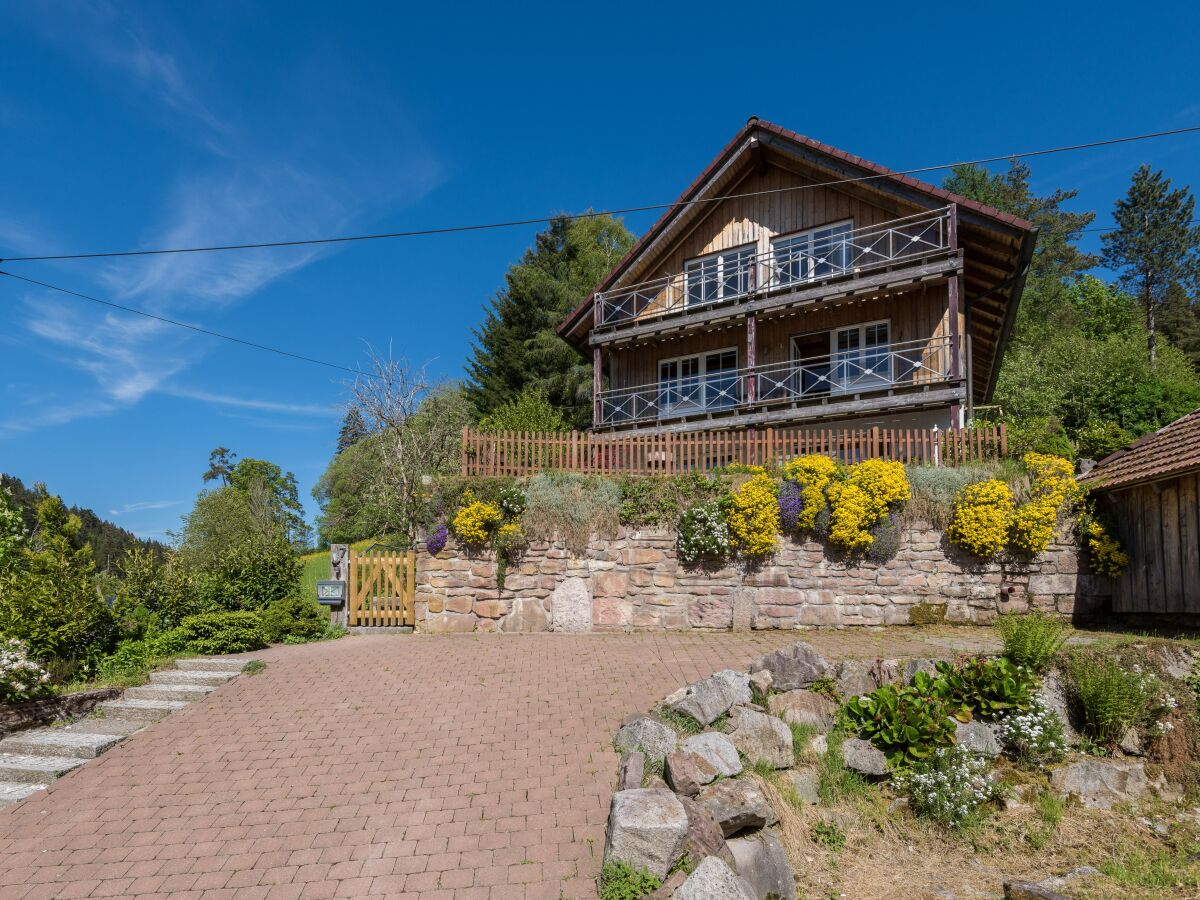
(876, 300)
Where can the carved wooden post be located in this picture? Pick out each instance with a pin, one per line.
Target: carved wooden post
(339, 569)
(751, 358)
(597, 380)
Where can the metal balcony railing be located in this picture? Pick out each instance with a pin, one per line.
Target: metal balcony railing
(790, 263)
(808, 380)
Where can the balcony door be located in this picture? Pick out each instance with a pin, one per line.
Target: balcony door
(818, 253)
(700, 383)
(720, 276)
(861, 357)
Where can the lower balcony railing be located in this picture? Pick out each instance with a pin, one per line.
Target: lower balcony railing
(815, 379)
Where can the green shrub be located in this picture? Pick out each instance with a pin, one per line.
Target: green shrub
(571, 507)
(294, 620)
(153, 593)
(1038, 435)
(1032, 639)
(48, 596)
(1097, 440)
(658, 501)
(620, 881)
(829, 835)
(934, 488)
(1111, 699)
(249, 576)
(450, 492)
(985, 688)
(906, 723)
(216, 633)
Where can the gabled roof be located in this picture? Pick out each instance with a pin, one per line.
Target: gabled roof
(1171, 451)
(738, 143)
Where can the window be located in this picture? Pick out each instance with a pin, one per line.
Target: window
(818, 253)
(721, 276)
(698, 383)
(861, 356)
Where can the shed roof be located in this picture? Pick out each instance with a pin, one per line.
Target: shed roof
(1169, 452)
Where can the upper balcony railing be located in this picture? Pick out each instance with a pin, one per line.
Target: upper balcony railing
(845, 373)
(828, 252)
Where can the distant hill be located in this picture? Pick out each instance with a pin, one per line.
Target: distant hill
(109, 542)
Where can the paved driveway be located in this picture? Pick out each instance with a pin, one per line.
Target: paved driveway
(458, 766)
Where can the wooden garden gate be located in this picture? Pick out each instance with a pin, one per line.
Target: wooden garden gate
(382, 588)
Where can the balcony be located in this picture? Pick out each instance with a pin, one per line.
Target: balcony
(811, 380)
(828, 253)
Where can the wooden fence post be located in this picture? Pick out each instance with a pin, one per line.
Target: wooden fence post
(463, 449)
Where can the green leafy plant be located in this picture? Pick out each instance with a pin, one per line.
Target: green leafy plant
(906, 723)
(223, 632)
(656, 501)
(1032, 639)
(985, 688)
(829, 835)
(621, 881)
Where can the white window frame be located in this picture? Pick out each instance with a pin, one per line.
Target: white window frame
(699, 262)
(808, 236)
(860, 382)
(702, 371)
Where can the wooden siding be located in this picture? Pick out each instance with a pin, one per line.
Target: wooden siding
(1159, 525)
(755, 220)
(914, 316)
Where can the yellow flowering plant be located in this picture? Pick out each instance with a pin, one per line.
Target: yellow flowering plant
(871, 489)
(476, 522)
(981, 518)
(1107, 557)
(1053, 491)
(753, 517)
(812, 474)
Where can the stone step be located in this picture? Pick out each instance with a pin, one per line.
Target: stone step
(58, 742)
(141, 710)
(12, 791)
(191, 676)
(211, 664)
(35, 769)
(185, 692)
(105, 725)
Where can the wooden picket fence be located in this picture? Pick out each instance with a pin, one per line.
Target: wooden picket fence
(382, 587)
(526, 452)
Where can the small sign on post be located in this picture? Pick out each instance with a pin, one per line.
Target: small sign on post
(334, 593)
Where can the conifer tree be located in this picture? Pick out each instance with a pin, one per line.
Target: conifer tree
(1155, 245)
(354, 429)
(516, 346)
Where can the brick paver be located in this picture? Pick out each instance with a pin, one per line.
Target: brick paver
(473, 766)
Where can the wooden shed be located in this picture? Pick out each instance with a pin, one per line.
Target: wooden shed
(1151, 492)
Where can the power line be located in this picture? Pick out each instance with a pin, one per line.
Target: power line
(190, 327)
(540, 220)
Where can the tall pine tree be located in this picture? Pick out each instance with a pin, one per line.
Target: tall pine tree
(516, 346)
(1155, 245)
(354, 429)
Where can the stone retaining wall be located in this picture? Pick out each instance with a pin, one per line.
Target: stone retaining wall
(28, 713)
(635, 581)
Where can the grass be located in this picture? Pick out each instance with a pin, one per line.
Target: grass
(829, 835)
(680, 721)
(254, 667)
(837, 783)
(802, 736)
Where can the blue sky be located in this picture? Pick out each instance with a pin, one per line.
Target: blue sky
(128, 125)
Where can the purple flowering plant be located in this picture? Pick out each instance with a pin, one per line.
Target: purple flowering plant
(437, 541)
(791, 504)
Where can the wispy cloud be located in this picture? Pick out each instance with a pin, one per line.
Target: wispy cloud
(257, 172)
(296, 409)
(142, 506)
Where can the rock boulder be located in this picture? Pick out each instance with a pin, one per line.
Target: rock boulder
(714, 880)
(762, 862)
(646, 829)
(797, 666)
(646, 734)
(979, 737)
(1099, 783)
(713, 696)
(863, 757)
(717, 749)
(804, 708)
(687, 772)
(761, 738)
(737, 805)
(571, 606)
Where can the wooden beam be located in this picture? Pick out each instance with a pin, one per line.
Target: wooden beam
(597, 362)
(751, 357)
(953, 288)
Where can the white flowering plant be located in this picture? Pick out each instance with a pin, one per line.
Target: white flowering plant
(20, 677)
(703, 534)
(1033, 737)
(949, 787)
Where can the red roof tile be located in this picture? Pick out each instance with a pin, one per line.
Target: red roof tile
(1170, 451)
